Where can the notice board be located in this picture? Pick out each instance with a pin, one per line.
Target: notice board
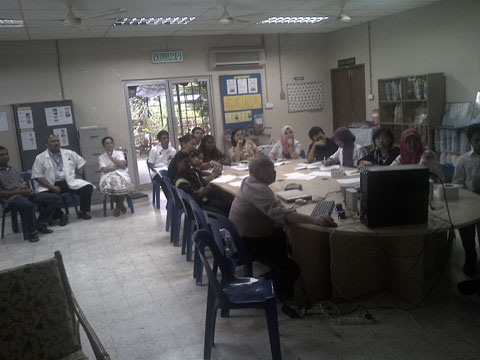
(242, 105)
(34, 121)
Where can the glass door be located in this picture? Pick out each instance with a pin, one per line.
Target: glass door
(175, 105)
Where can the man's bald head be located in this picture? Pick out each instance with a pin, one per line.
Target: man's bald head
(262, 168)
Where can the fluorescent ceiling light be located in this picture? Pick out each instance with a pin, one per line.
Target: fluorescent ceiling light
(293, 20)
(171, 20)
(10, 23)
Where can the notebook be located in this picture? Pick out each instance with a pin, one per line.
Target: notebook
(292, 195)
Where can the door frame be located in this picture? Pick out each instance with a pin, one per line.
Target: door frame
(171, 120)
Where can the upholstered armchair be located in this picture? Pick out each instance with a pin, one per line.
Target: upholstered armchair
(40, 317)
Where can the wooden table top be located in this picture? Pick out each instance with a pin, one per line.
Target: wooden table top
(464, 211)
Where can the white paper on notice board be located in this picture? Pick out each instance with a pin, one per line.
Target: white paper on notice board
(25, 118)
(231, 87)
(61, 115)
(252, 86)
(29, 142)
(62, 135)
(3, 121)
(242, 86)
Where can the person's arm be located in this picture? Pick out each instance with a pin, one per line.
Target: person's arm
(43, 182)
(217, 170)
(358, 153)
(334, 159)
(368, 159)
(296, 218)
(311, 151)
(294, 149)
(152, 158)
(236, 152)
(273, 153)
(26, 192)
(460, 176)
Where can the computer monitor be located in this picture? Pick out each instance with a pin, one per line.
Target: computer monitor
(394, 195)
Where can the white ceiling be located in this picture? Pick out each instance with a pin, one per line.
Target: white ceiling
(43, 17)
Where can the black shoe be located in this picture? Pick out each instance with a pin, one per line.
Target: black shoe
(41, 228)
(33, 238)
(83, 215)
(63, 220)
(469, 287)
(292, 313)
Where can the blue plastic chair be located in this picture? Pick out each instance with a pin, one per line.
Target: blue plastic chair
(174, 210)
(188, 223)
(220, 226)
(235, 293)
(129, 203)
(64, 197)
(155, 188)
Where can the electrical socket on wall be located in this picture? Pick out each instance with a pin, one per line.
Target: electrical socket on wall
(370, 97)
(269, 105)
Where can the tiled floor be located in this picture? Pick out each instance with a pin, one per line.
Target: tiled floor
(138, 292)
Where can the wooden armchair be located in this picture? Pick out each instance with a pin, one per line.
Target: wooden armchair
(39, 315)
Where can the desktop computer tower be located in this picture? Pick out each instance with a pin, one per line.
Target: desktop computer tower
(394, 195)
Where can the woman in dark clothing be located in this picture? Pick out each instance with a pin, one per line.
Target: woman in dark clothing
(191, 181)
(210, 151)
(384, 153)
(321, 147)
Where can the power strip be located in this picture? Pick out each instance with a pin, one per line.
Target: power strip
(356, 321)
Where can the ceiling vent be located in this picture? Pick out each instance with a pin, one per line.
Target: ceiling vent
(237, 58)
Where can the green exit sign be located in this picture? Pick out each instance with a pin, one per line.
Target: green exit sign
(167, 56)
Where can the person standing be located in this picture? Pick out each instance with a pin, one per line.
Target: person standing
(467, 174)
(60, 170)
(16, 194)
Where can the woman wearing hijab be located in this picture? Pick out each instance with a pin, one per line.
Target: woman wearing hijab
(384, 153)
(412, 151)
(348, 153)
(287, 147)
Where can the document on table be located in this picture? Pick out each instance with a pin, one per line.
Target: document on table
(328, 168)
(349, 181)
(351, 172)
(299, 176)
(307, 167)
(223, 179)
(236, 183)
(240, 167)
(280, 163)
(321, 173)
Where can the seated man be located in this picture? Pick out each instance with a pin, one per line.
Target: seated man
(321, 147)
(58, 171)
(161, 155)
(260, 218)
(15, 193)
(197, 133)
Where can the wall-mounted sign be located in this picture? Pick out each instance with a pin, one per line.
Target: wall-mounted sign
(298, 78)
(346, 62)
(167, 56)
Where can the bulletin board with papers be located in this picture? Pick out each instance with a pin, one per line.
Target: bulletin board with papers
(241, 100)
(34, 121)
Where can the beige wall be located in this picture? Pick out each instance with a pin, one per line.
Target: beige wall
(436, 38)
(442, 37)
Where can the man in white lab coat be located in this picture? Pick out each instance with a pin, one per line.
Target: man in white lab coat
(61, 170)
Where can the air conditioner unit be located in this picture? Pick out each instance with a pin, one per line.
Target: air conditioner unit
(237, 58)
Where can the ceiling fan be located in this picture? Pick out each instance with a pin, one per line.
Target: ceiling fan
(72, 20)
(227, 19)
(341, 15)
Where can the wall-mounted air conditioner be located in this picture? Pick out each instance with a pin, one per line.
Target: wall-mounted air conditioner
(237, 58)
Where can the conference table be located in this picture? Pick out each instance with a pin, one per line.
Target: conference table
(352, 260)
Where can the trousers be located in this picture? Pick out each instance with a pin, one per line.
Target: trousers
(47, 204)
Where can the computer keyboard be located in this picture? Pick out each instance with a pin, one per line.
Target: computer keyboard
(323, 208)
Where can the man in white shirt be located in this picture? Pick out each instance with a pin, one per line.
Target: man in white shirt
(59, 171)
(161, 155)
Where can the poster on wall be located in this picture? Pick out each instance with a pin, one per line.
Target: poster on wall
(62, 135)
(305, 96)
(3, 121)
(241, 101)
(25, 118)
(29, 142)
(61, 115)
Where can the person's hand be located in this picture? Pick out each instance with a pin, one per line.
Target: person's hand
(26, 192)
(290, 141)
(56, 189)
(240, 144)
(272, 156)
(318, 143)
(365, 163)
(217, 170)
(324, 220)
